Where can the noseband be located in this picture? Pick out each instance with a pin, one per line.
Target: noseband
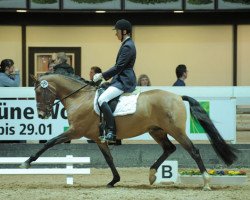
(47, 93)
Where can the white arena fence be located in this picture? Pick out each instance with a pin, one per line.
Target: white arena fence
(69, 170)
(19, 120)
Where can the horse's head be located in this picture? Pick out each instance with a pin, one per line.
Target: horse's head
(45, 97)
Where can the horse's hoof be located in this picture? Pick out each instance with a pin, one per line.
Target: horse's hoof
(112, 183)
(207, 188)
(152, 176)
(25, 165)
(110, 186)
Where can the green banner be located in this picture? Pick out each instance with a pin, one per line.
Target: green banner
(195, 127)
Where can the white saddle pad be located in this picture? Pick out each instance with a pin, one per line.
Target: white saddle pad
(126, 105)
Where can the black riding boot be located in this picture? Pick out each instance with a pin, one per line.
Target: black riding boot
(110, 121)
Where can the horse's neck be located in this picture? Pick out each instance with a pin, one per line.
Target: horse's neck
(72, 93)
(76, 98)
(66, 88)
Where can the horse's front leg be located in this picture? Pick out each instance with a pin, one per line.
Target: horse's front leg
(109, 159)
(64, 137)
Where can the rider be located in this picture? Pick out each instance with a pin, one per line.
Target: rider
(124, 79)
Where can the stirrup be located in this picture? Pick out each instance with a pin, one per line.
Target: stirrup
(110, 138)
(102, 138)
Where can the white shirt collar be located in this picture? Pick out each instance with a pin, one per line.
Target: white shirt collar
(125, 39)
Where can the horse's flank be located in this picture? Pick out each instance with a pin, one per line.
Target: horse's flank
(156, 109)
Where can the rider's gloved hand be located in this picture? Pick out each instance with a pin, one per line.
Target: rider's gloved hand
(97, 77)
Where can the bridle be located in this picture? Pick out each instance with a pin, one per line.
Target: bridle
(48, 91)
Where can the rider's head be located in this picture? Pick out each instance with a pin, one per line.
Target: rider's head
(123, 27)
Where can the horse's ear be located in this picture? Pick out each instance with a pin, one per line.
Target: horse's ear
(34, 79)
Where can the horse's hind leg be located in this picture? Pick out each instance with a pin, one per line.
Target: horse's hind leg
(168, 148)
(64, 137)
(187, 144)
(109, 159)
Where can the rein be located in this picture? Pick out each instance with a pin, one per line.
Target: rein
(60, 100)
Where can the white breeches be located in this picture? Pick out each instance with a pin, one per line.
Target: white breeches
(109, 94)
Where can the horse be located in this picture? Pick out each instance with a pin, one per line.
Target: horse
(158, 112)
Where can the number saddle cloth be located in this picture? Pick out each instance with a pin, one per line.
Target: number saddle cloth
(122, 105)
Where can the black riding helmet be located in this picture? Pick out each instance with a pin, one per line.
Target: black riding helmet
(122, 25)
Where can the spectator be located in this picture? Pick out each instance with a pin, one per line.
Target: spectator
(9, 77)
(60, 64)
(181, 74)
(143, 80)
(94, 70)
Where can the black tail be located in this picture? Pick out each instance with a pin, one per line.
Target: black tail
(226, 152)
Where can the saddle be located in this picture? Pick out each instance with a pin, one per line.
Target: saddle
(121, 105)
(124, 104)
(112, 103)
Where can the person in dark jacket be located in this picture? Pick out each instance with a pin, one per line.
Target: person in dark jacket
(61, 66)
(122, 74)
(181, 74)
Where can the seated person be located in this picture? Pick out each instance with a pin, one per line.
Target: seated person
(143, 80)
(94, 70)
(60, 64)
(9, 77)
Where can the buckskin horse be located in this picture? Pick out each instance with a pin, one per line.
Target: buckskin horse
(158, 112)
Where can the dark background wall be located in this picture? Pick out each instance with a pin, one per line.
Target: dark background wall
(136, 18)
